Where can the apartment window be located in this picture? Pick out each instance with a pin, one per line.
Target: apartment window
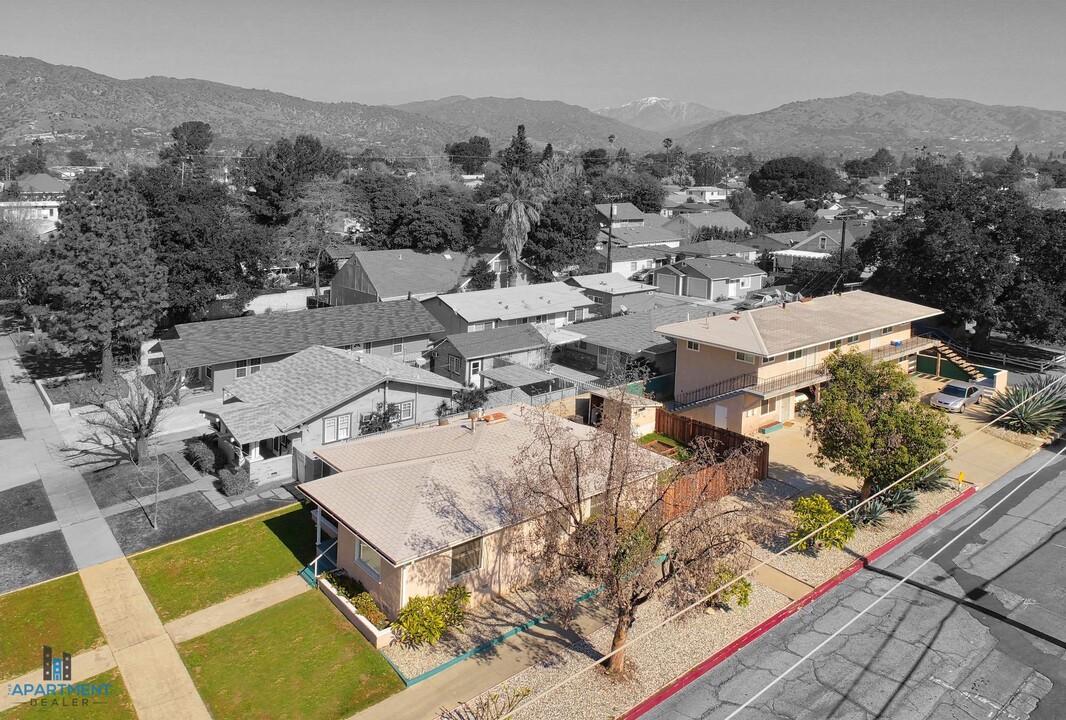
(209, 372)
(397, 347)
(407, 410)
(692, 345)
(887, 330)
(852, 339)
(254, 365)
(455, 364)
(769, 405)
(833, 345)
(466, 558)
(597, 299)
(338, 427)
(571, 316)
(475, 367)
(368, 558)
(768, 360)
(822, 241)
(795, 355)
(745, 357)
(241, 369)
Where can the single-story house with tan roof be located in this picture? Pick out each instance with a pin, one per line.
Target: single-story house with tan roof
(416, 511)
(742, 371)
(608, 290)
(272, 422)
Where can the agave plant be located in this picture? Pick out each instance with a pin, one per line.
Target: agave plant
(900, 500)
(931, 479)
(1032, 407)
(872, 514)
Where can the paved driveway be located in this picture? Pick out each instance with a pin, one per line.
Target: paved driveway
(978, 632)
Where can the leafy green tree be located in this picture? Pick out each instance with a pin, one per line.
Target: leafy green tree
(806, 271)
(207, 241)
(793, 178)
(30, 164)
(12, 191)
(519, 205)
(519, 154)
(482, 276)
(1016, 159)
(103, 279)
(80, 158)
(470, 155)
(19, 252)
(191, 141)
(565, 235)
(869, 422)
(277, 176)
(812, 513)
(595, 162)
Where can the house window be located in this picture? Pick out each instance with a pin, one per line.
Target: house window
(822, 241)
(368, 558)
(338, 427)
(475, 367)
(768, 360)
(407, 410)
(571, 316)
(745, 282)
(466, 558)
(397, 347)
(852, 339)
(454, 364)
(633, 267)
(281, 445)
(689, 345)
(597, 299)
(242, 368)
(887, 330)
(795, 355)
(582, 345)
(745, 357)
(769, 405)
(834, 344)
(209, 372)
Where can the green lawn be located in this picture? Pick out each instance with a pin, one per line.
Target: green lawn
(116, 706)
(207, 569)
(56, 613)
(654, 436)
(300, 659)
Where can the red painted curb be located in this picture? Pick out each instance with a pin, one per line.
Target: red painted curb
(774, 620)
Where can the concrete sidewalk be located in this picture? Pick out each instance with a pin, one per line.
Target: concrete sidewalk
(232, 610)
(156, 678)
(83, 666)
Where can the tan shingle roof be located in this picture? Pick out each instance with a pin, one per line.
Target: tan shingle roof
(413, 493)
(774, 330)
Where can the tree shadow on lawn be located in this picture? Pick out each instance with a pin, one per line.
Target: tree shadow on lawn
(296, 531)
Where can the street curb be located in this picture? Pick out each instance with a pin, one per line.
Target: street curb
(774, 620)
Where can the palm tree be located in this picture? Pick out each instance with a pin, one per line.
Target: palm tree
(519, 205)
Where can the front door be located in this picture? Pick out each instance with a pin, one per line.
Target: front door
(732, 288)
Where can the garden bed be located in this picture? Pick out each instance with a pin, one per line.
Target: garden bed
(484, 624)
(379, 638)
(125, 481)
(77, 391)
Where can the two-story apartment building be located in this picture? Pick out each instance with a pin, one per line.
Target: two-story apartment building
(554, 304)
(273, 421)
(464, 356)
(215, 353)
(742, 371)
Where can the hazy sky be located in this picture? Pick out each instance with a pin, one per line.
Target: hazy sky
(737, 56)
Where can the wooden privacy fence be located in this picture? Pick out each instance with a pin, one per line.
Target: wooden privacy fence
(685, 430)
(699, 488)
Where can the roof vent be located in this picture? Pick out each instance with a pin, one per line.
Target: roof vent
(734, 317)
(447, 256)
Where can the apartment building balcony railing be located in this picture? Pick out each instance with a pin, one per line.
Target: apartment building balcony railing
(715, 390)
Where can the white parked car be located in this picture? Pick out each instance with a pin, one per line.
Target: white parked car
(956, 396)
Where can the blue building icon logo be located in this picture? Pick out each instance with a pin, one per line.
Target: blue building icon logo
(55, 668)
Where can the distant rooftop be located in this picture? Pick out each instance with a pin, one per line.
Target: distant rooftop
(646, 235)
(398, 273)
(511, 303)
(610, 283)
(623, 211)
(497, 341)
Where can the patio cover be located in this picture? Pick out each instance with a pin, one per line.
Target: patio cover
(517, 375)
(558, 336)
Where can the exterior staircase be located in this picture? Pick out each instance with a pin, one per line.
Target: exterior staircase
(962, 363)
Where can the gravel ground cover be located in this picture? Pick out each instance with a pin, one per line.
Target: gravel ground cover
(179, 517)
(652, 662)
(33, 560)
(483, 623)
(125, 481)
(24, 506)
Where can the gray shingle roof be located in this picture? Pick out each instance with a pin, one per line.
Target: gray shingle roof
(497, 341)
(217, 341)
(721, 219)
(716, 248)
(647, 252)
(720, 269)
(413, 493)
(622, 211)
(635, 333)
(395, 273)
(647, 235)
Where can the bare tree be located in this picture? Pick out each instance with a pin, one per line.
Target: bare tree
(322, 202)
(623, 517)
(492, 706)
(129, 410)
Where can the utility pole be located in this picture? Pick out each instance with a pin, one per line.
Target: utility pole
(843, 217)
(610, 226)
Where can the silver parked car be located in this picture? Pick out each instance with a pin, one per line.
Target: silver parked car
(956, 396)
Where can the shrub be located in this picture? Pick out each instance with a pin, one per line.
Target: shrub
(420, 621)
(933, 478)
(235, 482)
(423, 620)
(200, 455)
(813, 512)
(900, 500)
(1038, 416)
(739, 591)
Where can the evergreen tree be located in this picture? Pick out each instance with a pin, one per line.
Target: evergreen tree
(519, 154)
(549, 151)
(101, 274)
(1016, 159)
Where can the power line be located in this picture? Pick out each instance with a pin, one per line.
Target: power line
(700, 601)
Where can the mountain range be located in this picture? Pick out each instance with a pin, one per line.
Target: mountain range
(663, 116)
(75, 107)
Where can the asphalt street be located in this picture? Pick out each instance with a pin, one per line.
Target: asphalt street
(978, 632)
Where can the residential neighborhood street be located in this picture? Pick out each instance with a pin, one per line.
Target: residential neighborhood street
(977, 632)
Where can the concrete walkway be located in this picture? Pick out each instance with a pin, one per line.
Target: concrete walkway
(82, 667)
(232, 610)
(156, 678)
(479, 674)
